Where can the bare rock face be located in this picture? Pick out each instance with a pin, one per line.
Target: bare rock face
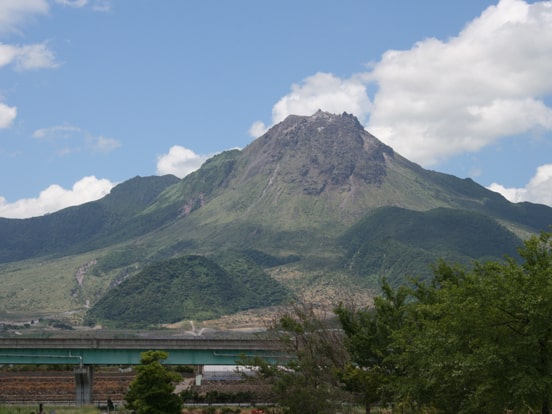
(320, 151)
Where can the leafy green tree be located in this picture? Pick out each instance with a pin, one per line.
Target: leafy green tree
(152, 390)
(441, 358)
(467, 341)
(368, 340)
(307, 381)
(481, 340)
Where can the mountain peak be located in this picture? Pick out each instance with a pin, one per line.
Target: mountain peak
(327, 115)
(320, 152)
(321, 116)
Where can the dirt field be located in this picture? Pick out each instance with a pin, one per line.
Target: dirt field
(59, 386)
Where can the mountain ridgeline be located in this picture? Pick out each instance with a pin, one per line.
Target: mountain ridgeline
(315, 209)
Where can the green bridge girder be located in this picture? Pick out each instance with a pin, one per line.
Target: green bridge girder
(104, 351)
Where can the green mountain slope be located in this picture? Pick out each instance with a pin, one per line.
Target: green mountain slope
(118, 216)
(189, 287)
(393, 242)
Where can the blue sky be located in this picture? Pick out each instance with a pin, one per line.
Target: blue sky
(94, 92)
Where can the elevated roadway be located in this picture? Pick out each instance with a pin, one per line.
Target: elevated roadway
(111, 351)
(85, 353)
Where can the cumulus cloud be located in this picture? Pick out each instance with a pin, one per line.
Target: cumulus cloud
(179, 161)
(320, 91)
(538, 190)
(440, 98)
(13, 13)
(443, 98)
(28, 57)
(323, 90)
(37, 56)
(55, 198)
(7, 115)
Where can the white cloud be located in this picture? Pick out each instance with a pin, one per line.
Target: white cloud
(102, 144)
(320, 91)
(179, 161)
(443, 98)
(439, 98)
(257, 129)
(102, 5)
(97, 5)
(7, 54)
(97, 144)
(13, 13)
(7, 115)
(57, 131)
(323, 91)
(28, 57)
(37, 56)
(55, 198)
(72, 3)
(538, 190)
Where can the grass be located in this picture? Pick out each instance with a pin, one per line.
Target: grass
(49, 286)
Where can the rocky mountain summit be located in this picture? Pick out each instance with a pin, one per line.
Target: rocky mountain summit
(320, 153)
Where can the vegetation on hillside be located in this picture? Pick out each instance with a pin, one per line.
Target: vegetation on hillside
(393, 242)
(114, 218)
(188, 287)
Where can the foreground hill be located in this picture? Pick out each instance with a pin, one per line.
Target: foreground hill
(189, 285)
(317, 205)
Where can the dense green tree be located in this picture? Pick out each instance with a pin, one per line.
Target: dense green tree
(307, 381)
(368, 340)
(466, 341)
(480, 340)
(152, 390)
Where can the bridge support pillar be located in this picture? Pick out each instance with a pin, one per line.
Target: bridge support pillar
(198, 374)
(84, 376)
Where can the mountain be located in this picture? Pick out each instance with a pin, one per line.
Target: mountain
(317, 208)
(117, 216)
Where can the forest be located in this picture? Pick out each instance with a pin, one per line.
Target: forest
(474, 340)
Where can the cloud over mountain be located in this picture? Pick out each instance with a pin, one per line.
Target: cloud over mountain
(179, 161)
(538, 190)
(55, 198)
(442, 98)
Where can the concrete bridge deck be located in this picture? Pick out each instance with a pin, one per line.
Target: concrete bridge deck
(114, 351)
(85, 353)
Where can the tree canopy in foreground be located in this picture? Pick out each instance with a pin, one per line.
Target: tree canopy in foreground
(152, 390)
(467, 341)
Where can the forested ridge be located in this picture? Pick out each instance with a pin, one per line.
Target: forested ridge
(194, 285)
